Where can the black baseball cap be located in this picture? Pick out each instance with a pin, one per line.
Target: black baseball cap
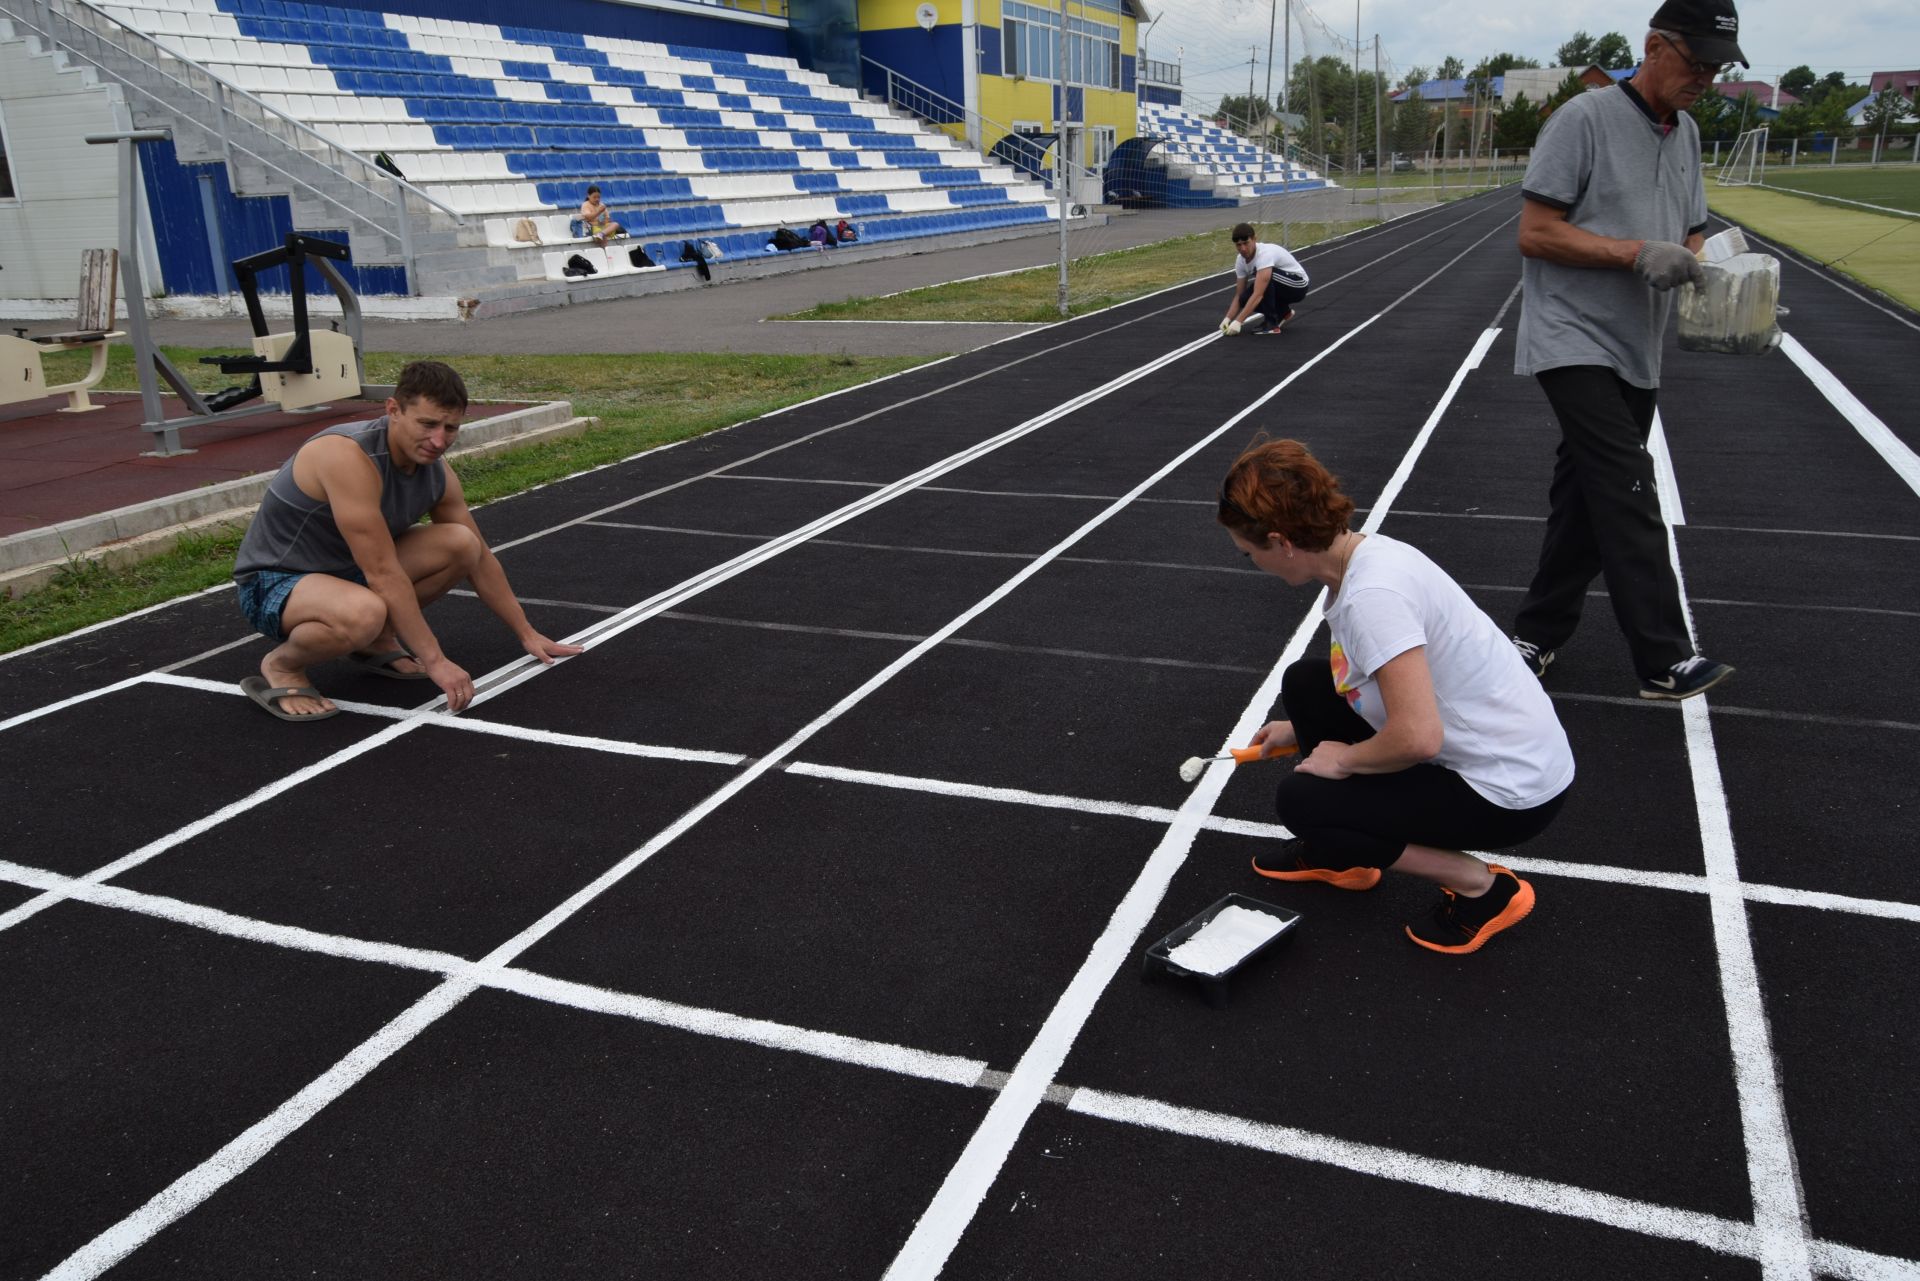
(1711, 28)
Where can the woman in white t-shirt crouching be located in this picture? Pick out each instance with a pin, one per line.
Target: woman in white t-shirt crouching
(1421, 735)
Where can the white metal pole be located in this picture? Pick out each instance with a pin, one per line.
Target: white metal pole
(1379, 138)
(1060, 147)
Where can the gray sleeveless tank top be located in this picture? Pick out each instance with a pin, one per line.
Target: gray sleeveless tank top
(292, 532)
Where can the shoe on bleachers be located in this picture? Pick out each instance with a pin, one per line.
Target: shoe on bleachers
(1461, 925)
(1292, 861)
(1536, 659)
(1685, 678)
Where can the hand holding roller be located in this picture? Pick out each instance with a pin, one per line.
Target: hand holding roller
(1193, 766)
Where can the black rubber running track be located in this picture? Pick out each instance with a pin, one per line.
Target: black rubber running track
(251, 1040)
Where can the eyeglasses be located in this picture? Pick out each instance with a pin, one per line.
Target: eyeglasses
(1698, 68)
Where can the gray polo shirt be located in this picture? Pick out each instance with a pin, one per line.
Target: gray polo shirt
(1617, 172)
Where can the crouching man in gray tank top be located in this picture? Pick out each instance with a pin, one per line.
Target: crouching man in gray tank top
(334, 564)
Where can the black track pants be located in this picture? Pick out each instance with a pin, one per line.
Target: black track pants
(1279, 299)
(1368, 820)
(1605, 520)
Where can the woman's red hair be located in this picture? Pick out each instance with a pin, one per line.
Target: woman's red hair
(1277, 487)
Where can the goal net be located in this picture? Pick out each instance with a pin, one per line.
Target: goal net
(1746, 165)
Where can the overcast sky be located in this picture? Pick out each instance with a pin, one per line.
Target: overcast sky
(1858, 37)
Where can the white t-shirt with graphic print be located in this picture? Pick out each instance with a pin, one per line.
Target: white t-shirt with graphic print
(1502, 735)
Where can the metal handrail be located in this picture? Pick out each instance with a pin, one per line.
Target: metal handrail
(938, 110)
(49, 21)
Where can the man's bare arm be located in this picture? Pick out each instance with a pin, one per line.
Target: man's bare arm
(1546, 233)
(490, 578)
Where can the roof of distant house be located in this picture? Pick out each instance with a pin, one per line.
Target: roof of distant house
(1904, 81)
(1762, 91)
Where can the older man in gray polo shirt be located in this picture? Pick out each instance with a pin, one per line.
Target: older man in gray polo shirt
(1612, 219)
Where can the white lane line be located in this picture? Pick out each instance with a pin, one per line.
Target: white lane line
(33, 907)
(1779, 1212)
(1019, 796)
(1726, 1236)
(1665, 484)
(65, 703)
(704, 1022)
(1446, 1176)
(957, 1201)
(474, 725)
(879, 1055)
(1905, 463)
(1773, 1174)
(196, 1185)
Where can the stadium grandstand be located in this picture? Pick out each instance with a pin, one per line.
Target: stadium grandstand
(1208, 165)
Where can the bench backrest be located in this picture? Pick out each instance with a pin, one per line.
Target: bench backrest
(99, 287)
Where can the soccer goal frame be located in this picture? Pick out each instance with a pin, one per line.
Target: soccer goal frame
(1746, 166)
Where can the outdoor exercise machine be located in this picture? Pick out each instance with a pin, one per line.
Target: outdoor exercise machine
(298, 370)
(22, 374)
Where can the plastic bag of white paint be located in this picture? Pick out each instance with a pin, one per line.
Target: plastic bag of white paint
(1734, 310)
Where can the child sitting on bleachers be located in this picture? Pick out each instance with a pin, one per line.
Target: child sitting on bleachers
(597, 219)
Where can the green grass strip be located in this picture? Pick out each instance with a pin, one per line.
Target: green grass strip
(642, 401)
(1879, 250)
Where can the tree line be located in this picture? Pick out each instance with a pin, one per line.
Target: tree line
(1326, 91)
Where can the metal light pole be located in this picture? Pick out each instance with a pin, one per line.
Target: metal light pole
(1379, 191)
(1060, 148)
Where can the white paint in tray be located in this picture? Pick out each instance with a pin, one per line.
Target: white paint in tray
(1226, 940)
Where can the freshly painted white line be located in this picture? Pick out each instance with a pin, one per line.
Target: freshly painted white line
(879, 1055)
(50, 708)
(1905, 463)
(473, 725)
(1773, 1175)
(1665, 483)
(189, 661)
(991, 324)
(715, 1023)
(1727, 1236)
(34, 906)
(215, 921)
(1018, 796)
(1779, 1213)
(957, 1201)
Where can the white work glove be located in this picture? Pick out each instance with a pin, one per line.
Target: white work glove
(1233, 326)
(1226, 326)
(1665, 265)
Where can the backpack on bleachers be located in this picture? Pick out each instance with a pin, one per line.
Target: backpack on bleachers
(526, 232)
(578, 267)
(638, 257)
(788, 238)
(690, 252)
(385, 161)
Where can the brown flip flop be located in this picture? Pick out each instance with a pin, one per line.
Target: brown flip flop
(269, 696)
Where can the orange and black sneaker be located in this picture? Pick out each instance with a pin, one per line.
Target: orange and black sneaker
(1291, 861)
(1465, 924)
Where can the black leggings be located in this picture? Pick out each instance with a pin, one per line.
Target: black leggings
(1279, 298)
(1368, 820)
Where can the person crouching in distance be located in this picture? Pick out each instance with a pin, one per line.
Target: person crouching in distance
(1267, 281)
(1421, 733)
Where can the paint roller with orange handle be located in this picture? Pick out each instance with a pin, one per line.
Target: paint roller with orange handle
(1194, 766)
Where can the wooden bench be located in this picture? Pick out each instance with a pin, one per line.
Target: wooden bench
(22, 376)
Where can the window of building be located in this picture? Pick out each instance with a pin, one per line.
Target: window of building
(1101, 140)
(1030, 47)
(6, 169)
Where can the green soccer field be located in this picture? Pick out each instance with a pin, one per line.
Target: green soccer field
(1890, 186)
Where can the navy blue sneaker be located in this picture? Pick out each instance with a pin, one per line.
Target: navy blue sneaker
(1537, 659)
(1685, 678)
